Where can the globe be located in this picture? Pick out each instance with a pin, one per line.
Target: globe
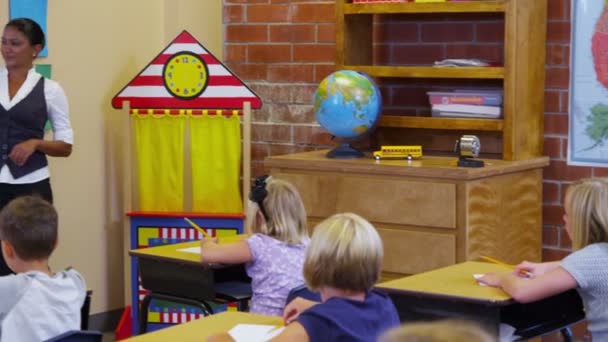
(348, 105)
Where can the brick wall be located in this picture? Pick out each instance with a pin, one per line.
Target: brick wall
(283, 48)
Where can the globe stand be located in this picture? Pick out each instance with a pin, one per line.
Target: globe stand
(344, 151)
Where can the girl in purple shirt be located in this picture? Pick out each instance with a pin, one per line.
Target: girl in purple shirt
(274, 252)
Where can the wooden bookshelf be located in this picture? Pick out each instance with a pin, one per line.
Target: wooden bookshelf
(428, 71)
(439, 7)
(522, 76)
(492, 125)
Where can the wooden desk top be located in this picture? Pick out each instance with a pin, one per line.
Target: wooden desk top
(427, 166)
(454, 281)
(200, 329)
(172, 252)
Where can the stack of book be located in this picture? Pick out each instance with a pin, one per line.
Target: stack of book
(466, 103)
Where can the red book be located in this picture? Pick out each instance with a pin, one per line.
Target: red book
(466, 98)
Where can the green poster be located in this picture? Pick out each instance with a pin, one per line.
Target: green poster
(44, 70)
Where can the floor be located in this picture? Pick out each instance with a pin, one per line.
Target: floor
(108, 336)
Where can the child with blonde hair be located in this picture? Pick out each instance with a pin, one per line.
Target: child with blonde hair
(274, 253)
(586, 221)
(449, 330)
(343, 263)
(36, 304)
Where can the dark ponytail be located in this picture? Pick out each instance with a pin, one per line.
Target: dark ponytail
(30, 29)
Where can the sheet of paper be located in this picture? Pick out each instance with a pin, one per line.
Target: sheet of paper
(254, 332)
(193, 250)
(477, 276)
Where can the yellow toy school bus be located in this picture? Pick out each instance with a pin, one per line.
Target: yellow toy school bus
(408, 152)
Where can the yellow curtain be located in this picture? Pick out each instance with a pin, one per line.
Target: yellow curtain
(216, 158)
(160, 161)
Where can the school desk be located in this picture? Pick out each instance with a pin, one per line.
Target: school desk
(453, 292)
(171, 271)
(202, 328)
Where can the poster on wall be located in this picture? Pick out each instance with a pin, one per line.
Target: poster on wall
(44, 70)
(588, 134)
(33, 9)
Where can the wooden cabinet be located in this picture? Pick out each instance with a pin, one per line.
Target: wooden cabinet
(428, 212)
(520, 131)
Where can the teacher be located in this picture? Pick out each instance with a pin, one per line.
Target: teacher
(27, 101)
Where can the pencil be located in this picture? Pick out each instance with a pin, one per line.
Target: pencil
(275, 329)
(498, 262)
(196, 226)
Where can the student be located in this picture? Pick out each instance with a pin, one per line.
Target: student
(274, 254)
(586, 221)
(36, 304)
(438, 331)
(343, 263)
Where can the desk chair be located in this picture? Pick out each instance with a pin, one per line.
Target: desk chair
(190, 285)
(234, 291)
(227, 292)
(85, 310)
(78, 336)
(145, 306)
(531, 320)
(304, 292)
(233, 285)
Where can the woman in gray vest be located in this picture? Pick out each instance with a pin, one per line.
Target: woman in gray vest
(27, 101)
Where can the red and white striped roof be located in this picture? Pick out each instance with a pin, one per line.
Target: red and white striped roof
(224, 89)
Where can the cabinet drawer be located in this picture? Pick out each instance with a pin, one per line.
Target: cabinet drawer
(411, 252)
(399, 202)
(318, 192)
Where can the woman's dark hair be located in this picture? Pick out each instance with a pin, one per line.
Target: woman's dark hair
(30, 29)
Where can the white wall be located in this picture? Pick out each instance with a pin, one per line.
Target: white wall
(95, 48)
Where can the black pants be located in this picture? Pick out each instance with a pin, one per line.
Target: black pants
(9, 192)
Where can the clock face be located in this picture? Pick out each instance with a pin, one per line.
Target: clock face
(185, 75)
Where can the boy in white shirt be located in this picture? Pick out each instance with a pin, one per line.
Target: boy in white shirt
(36, 304)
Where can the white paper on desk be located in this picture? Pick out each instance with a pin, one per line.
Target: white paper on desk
(193, 250)
(254, 332)
(477, 276)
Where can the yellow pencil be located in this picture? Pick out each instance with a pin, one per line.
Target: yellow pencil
(498, 262)
(196, 226)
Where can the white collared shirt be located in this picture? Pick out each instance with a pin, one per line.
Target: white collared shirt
(58, 114)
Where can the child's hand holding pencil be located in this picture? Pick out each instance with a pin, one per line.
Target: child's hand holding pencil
(535, 269)
(207, 240)
(197, 227)
(206, 235)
